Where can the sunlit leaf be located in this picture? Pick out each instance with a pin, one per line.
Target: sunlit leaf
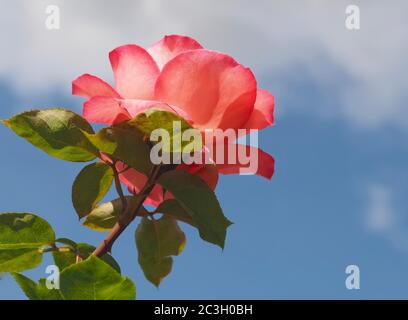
(93, 279)
(19, 259)
(36, 291)
(104, 216)
(24, 230)
(58, 132)
(22, 236)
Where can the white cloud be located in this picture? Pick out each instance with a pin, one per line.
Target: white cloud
(382, 217)
(364, 70)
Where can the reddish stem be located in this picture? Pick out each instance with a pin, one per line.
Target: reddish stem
(126, 219)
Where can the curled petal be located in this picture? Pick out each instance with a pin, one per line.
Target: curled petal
(155, 197)
(89, 86)
(247, 160)
(105, 110)
(170, 46)
(205, 84)
(135, 72)
(262, 115)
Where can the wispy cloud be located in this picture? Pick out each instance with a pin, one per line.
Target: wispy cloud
(365, 69)
(383, 218)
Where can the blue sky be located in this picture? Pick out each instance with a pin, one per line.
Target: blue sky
(338, 196)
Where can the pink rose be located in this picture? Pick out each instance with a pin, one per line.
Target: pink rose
(207, 88)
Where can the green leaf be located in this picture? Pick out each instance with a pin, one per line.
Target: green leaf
(168, 122)
(21, 237)
(19, 259)
(157, 241)
(65, 258)
(93, 279)
(90, 186)
(36, 291)
(56, 131)
(124, 142)
(200, 202)
(173, 208)
(68, 242)
(104, 216)
(24, 230)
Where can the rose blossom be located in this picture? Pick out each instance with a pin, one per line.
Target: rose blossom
(207, 88)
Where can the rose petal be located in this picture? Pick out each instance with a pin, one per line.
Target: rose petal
(262, 115)
(205, 84)
(170, 46)
(105, 110)
(261, 163)
(106, 158)
(135, 181)
(135, 106)
(89, 86)
(135, 72)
